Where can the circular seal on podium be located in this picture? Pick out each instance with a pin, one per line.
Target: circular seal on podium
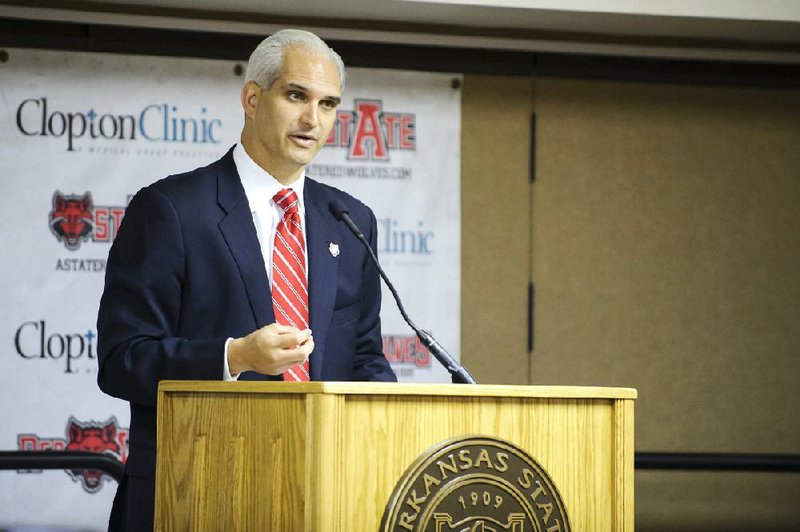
(475, 483)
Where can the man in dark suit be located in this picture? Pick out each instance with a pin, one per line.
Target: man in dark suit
(190, 277)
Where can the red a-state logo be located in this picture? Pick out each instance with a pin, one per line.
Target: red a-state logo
(75, 219)
(370, 133)
(93, 436)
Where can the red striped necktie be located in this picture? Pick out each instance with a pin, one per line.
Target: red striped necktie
(289, 286)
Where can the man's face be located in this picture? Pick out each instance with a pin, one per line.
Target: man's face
(292, 119)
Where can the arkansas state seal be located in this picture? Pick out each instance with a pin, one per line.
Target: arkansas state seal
(475, 483)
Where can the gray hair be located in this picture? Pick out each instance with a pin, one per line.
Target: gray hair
(266, 61)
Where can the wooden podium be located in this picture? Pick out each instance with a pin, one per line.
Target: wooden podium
(328, 456)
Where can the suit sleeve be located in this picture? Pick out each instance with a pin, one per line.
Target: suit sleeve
(370, 364)
(140, 310)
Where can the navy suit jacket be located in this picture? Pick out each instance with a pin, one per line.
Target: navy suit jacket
(186, 272)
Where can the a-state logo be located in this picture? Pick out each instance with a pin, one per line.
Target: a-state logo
(99, 437)
(75, 219)
(407, 349)
(370, 133)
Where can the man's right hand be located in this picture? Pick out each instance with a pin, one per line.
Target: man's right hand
(270, 350)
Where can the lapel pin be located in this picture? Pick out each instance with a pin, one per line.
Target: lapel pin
(334, 249)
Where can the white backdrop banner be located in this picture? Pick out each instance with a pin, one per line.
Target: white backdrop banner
(81, 133)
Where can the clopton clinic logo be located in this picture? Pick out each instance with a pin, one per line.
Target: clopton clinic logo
(75, 351)
(74, 218)
(396, 237)
(153, 123)
(93, 436)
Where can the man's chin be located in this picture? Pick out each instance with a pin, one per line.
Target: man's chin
(305, 156)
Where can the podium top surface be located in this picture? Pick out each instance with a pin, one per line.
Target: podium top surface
(413, 389)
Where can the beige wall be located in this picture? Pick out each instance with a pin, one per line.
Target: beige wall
(665, 251)
(495, 227)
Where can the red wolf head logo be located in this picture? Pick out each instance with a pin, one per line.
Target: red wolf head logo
(95, 437)
(71, 218)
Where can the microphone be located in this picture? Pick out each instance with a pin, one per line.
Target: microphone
(458, 373)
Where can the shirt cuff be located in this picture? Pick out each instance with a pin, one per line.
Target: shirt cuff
(226, 371)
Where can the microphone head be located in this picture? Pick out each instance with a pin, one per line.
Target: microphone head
(337, 208)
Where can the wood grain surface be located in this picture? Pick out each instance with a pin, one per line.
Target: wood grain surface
(327, 456)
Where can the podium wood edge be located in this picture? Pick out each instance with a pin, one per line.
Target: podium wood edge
(392, 388)
(623, 465)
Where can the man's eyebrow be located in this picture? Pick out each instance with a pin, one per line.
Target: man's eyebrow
(297, 86)
(302, 88)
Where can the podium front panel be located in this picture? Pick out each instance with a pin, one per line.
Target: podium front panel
(328, 456)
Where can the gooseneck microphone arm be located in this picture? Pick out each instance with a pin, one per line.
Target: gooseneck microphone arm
(458, 373)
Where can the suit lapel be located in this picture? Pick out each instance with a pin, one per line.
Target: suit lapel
(239, 232)
(322, 269)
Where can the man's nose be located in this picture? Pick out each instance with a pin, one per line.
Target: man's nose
(310, 116)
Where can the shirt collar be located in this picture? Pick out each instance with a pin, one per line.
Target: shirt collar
(259, 185)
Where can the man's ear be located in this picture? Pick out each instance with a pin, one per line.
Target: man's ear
(250, 94)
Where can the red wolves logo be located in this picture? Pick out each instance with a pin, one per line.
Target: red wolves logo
(95, 437)
(71, 218)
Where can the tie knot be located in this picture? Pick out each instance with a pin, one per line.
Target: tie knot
(286, 199)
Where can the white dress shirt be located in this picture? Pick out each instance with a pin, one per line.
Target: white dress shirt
(260, 187)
